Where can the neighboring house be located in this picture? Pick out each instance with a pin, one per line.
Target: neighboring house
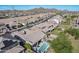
(10, 47)
(16, 49)
(58, 17)
(76, 23)
(49, 25)
(8, 44)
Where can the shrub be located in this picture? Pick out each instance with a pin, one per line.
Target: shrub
(27, 46)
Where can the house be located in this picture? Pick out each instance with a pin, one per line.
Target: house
(35, 37)
(31, 36)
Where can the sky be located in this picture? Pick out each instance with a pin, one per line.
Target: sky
(27, 7)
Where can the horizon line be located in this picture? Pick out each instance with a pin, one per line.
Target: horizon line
(30, 7)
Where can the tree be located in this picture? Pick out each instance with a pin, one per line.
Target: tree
(61, 44)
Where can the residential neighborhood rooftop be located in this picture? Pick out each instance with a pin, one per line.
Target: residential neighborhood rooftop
(34, 34)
